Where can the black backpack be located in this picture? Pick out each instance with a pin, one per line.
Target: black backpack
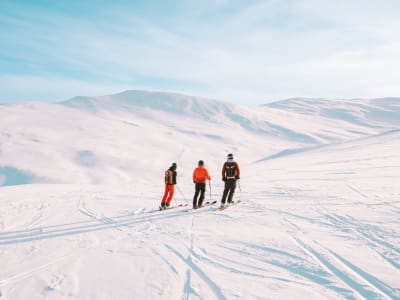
(230, 170)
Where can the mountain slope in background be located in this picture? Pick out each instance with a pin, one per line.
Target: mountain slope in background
(104, 139)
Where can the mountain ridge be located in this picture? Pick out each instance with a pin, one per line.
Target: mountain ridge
(101, 139)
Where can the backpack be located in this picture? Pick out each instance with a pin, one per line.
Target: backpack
(230, 170)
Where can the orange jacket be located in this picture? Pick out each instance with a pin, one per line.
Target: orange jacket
(200, 175)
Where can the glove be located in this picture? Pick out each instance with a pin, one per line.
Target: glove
(237, 177)
(224, 179)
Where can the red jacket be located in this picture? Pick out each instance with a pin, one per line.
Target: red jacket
(200, 175)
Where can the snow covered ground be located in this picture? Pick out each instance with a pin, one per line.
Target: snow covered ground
(319, 216)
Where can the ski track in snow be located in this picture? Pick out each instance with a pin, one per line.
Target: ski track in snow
(99, 223)
(29, 273)
(369, 233)
(296, 259)
(328, 269)
(92, 215)
(193, 267)
(367, 288)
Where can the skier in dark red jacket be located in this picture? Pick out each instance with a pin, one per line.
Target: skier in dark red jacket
(230, 173)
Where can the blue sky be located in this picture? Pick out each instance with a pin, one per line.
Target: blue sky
(247, 52)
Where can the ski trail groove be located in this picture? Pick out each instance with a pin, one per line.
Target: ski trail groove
(26, 274)
(80, 228)
(92, 215)
(381, 247)
(323, 259)
(354, 189)
(236, 270)
(188, 287)
(379, 286)
(171, 266)
(55, 283)
(297, 269)
(195, 268)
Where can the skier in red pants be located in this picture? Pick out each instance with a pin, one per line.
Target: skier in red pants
(170, 181)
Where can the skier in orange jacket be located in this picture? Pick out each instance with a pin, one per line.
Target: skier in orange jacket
(200, 175)
(170, 181)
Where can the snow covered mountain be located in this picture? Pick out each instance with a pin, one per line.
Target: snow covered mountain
(367, 112)
(106, 139)
(318, 217)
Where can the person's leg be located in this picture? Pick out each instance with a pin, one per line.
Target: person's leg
(202, 192)
(164, 198)
(171, 191)
(232, 187)
(196, 194)
(225, 193)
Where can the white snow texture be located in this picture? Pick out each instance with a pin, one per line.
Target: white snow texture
(319, 216)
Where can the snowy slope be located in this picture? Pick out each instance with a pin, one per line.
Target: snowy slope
(319, 217)
(367, 112)
(103, 140)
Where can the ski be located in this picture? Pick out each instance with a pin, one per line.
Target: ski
(168, 208)
(228, 205)
(208, 203)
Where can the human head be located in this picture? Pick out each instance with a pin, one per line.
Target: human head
(230, 156)
(173, 166)
(201, 163)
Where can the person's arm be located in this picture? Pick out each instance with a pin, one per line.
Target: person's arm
(208, 175)
(237, 171)
(223, 172)
(166, 176)
(194, 176)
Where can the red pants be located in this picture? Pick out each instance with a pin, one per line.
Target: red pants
(168, 194)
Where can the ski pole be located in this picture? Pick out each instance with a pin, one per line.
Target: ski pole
(240, 189)
(183, 196)
(209, 183)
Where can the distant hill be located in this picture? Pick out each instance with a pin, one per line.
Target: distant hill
(134, 135)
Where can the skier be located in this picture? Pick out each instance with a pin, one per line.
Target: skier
(200, 175)
(170, 181)
(230, 173)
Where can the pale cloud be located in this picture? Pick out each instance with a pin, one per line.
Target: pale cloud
(264, 50)
(35, 88)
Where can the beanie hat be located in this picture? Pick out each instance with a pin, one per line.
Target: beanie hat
(201, 163)
(230, 156)
(173, 165)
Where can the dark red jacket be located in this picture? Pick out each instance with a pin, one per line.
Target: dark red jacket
(230, 170)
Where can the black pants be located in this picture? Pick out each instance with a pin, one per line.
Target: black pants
(200, 189)
(230, 186)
